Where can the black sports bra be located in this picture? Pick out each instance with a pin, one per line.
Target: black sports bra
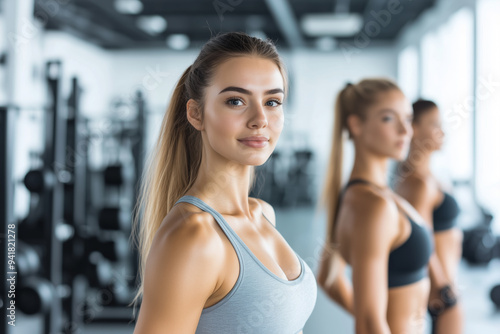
(408, 262)
(443, 216)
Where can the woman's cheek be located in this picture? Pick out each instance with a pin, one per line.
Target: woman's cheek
(227, 125)
(277, 122)
(383, 134)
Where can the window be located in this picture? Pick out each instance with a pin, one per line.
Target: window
(488, 107)
(408, 78)
(447, 78)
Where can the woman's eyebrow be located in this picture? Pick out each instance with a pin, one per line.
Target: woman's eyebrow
(247, 92)
(386, 110)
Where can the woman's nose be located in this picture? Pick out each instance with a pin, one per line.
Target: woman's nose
(258, 119)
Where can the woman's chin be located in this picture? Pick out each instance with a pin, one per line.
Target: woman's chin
(254, 161)
(257, 162)
(398, 155)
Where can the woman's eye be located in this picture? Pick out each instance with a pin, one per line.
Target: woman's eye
(273, 103)
(386, 118)
(234, 102)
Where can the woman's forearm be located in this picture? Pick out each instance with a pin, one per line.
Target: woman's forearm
(436, 273)
(340, 291)
(371, 325)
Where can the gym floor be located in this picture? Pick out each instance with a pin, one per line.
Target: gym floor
(303, 229)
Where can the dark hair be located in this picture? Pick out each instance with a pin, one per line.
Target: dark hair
(420, 107)
(173, 165)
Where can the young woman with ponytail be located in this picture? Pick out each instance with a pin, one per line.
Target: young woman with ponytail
(376, 232)
(416, 183)
(212, 260)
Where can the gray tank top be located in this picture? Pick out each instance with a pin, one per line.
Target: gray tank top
(259, 302)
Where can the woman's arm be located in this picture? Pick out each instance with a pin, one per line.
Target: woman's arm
(374, 231)
(182, 272)
(332, 279)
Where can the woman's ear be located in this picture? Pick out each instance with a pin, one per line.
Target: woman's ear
(354, 125)
(193, 111)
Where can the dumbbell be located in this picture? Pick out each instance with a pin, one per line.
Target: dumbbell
(479, 245)
(495, 295)
(39, 180)
(35, 295)
(496, 250)
(113, 218)
(31, 226)
(113, 175)
(117, 174)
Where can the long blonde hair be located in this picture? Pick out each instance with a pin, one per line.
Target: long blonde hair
(173, 165)
(353, 99)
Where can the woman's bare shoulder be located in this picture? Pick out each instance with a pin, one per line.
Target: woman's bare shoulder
(188, 235)
(185, 266)
(419, 191)
(370, 209)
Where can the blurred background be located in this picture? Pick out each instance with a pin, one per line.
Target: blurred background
(85, 84)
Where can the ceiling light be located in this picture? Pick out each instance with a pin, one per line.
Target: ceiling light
(153, 24)
(178, 41)
(128, 6)
(338, 25)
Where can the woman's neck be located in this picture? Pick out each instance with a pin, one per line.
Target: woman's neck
(371, 168)
(418, 160)
(224, 185)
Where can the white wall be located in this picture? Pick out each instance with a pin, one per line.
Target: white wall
(155, 72)
(91, 64)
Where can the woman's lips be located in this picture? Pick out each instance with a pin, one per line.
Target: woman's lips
(255, 143)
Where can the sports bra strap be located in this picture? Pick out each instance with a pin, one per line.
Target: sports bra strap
(354, 181)
(358, 180)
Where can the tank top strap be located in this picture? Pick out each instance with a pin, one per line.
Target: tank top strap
(231, 235)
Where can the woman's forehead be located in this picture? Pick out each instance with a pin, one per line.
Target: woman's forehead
(394, 101)
(255, 74)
